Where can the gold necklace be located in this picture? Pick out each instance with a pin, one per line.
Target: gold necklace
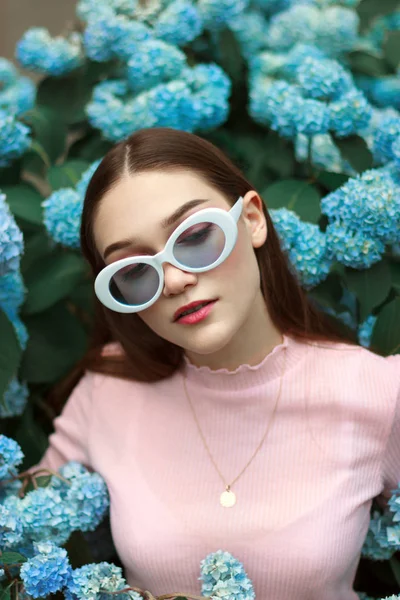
(228, 497)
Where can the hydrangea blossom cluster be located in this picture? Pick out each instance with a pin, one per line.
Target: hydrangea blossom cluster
(39, 52)
(305, 246)
(50, 513)
(223, 576)
(14, 138)
(383, 537)
(93, 581)
(62, 210)
(386, 139)
(381, 91)
(317, 96)
(334, 29)
(218, 13)
(11, 455)
(197, 100)
(49, 571)
(11, 239)
(364, 216)
(17, 94)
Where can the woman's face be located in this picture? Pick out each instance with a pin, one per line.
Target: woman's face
(135, 208)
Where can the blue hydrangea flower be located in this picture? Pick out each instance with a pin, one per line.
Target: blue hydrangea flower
(11, 239)
(287, 224)
(296, 24)
(323, 78)
(12, 291)
(210, 88)
(269, 7)
(224, 576)
(308, 256)
(113, 111)
(154, 62)
(171, 105)
(396, 152)
(44, 516)
(250, 30)
(377, 545)
(38, 51)
(86, 497)
(338, 30)
(394, 504)
(281, 106)
(14, 138)
(365, 331)
(88, 582)
(8, 73)
(19, 97)
(352, 248)
(324, 153)
(265, 64)
(86, 177)
(180, 23)
(296, 57)
(333, 29)
(368, 204)
(19, 327)
(387, 131)
(217, 13)
(385, 91)
(14, 400)
(350, 114)
(11, 455)
(108, 36)
(86, 8)
(11, 529)
(47, 572)
(62, 212)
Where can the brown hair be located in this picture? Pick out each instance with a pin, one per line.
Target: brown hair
(146, 356)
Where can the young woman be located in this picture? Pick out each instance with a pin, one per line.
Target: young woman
(227, 412)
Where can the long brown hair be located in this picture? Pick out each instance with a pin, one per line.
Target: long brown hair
(146, 356)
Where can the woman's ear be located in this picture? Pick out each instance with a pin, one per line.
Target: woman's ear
(254, 218)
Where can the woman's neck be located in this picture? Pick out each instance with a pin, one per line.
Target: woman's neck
(256, 338)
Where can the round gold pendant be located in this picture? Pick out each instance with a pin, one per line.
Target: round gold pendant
(228, 499)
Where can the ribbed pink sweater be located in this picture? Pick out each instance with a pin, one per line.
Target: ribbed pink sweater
(302, 510)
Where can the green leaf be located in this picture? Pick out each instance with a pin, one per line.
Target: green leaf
(25, 202)
(395, 273)
(10, 175)
(10, 353)
(371, 286)
(386, 332)
(363, 63)
(91, 147)
(9, 558)
(57, 341)
(5, 593)
(67, 95)
(332, 181)
(37, 245)
(296, 195)
(66, 175)
(58, 275)
(395, 566)
(50, 132)
(369, 9)
(230, 55)
(354, 149)
(391, 48)
(329, 292)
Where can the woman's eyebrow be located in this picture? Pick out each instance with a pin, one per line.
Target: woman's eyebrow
(165, 223)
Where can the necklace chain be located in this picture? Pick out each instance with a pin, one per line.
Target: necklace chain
(228, 498)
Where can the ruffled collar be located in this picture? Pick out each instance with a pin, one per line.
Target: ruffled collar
(248, 375)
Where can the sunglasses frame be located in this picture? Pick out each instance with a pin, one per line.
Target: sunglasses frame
(226, 220)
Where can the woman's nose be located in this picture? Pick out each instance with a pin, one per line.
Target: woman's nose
(176, 280)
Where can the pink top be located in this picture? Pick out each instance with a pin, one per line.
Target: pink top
(302, 510)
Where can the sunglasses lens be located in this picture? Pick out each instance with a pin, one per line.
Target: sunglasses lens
(134, 284)
(200, 245)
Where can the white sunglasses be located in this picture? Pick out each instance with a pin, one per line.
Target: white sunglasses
(200, 243)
